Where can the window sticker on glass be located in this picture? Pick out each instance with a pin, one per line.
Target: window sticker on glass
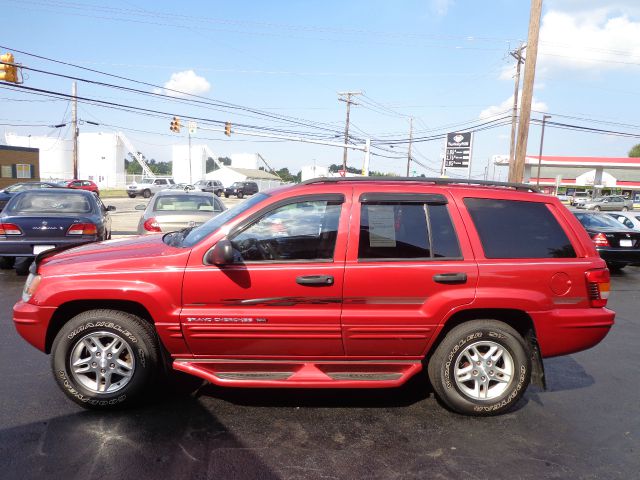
(382, 231)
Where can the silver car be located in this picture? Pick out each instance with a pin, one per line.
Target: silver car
(628, 219)
(611, 202)
(171, 210)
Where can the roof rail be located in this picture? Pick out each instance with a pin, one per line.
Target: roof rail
(436, 181)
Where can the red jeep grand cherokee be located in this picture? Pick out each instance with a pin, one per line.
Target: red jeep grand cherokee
(333, 283)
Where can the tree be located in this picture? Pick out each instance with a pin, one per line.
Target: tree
(635, 151)
(132, 166)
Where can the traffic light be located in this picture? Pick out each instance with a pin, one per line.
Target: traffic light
(8, 73)
(175, 125)
(227, 129)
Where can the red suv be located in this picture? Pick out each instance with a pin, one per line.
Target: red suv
(333, 283)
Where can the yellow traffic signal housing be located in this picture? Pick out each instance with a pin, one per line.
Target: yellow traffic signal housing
(8, 69)
(175, 125)
(227, 129)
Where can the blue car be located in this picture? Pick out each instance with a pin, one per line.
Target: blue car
(35, 221)
(7, 193)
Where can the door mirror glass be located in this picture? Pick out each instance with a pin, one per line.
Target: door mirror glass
(140, 207)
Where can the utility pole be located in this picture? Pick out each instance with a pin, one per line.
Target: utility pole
(346, 125)
(410, 142)
(544, 120)
(74, 123)
(190, 164)
(516, 173)
(517, 54)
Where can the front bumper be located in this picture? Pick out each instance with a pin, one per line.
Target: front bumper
(32, 322)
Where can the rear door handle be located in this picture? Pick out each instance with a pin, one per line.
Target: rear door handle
(315, 280)
(453, 278)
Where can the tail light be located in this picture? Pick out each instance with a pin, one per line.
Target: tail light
(10, 229)
(152, 225)
(82, 229)
(600, 240)
(598, 286)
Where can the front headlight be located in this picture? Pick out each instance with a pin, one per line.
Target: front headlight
(30, 286)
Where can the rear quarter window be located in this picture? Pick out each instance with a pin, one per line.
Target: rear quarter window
(517, 229)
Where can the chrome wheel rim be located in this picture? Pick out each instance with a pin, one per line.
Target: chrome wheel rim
(102, 362)
(484, 370)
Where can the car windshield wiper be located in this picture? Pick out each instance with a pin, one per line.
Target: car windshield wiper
(175, 239)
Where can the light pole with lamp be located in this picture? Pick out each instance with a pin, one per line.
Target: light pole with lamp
(544, 120)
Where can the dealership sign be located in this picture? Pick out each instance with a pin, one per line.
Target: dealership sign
(458, 151)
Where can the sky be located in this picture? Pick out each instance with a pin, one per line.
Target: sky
(444, 62)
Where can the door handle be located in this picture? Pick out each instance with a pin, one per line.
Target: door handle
(315, 280)
(452, 278)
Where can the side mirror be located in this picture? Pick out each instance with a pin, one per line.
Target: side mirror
(111, 208)
(140, 207)
(221, 254)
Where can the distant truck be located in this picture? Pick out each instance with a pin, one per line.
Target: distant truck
(148, 186)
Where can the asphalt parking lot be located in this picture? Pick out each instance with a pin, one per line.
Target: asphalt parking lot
(585, 425)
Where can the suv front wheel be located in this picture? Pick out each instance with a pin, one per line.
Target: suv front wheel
(480, 368)
(105, 358)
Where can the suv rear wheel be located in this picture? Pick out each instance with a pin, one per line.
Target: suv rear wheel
(146, 193)
(105, 358)
(481, 368)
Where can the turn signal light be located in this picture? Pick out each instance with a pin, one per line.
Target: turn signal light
(151, 225)
(10, 229)
(600, 240)
(598, 286)
(82, 229)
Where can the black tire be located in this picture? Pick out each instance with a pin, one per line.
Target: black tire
(22, 265)
(625, 209)
(218, 193)
(146, 193)
(596, 208)
(6, 263)
(454, 352)
(132, 195)
(226, 195)
(616, 267)
(240, 195)
(139, 353)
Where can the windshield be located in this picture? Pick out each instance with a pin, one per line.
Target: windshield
(15, 188)
(193, 236)
(598, 221)
(146, 180)
(236, 184)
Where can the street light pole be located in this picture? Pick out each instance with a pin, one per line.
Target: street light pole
(544, 120)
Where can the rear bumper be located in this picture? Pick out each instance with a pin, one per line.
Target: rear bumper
(31, 322)
(622, 255)
(24, 248)
(561, 332)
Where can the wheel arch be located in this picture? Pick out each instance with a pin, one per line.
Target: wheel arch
(67, 311)
(519, 320)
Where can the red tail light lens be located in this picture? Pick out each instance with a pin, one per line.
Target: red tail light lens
(82, 229)
(152, 225)
(10, 229)
(600, 240)
(598, 286)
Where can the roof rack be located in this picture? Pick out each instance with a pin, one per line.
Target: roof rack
(437, 181)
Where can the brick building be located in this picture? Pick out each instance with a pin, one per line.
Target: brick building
(18, 164)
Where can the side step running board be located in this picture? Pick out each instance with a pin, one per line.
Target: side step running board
(302, 373)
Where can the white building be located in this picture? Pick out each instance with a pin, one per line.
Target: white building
(101, 159)
(313, 171)
(180, 169)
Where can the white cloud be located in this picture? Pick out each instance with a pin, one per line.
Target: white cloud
(440, 7)
(187, 82)
(505, 107)
(595, 39)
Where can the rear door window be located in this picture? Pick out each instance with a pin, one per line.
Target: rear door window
(517, 229)
(405, 229)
